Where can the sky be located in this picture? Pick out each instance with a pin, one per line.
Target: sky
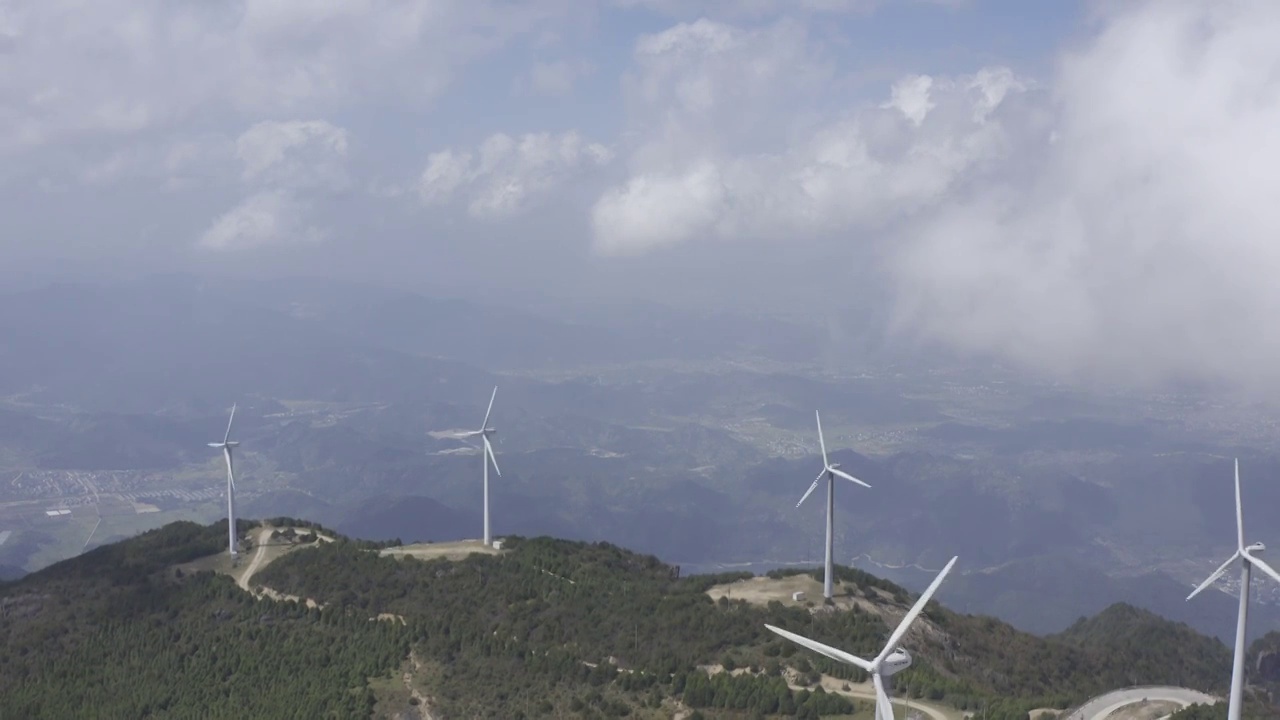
(1082, 188)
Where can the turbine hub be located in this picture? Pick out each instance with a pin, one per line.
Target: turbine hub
(833, 466)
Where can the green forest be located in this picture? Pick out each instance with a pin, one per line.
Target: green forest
(548, 628)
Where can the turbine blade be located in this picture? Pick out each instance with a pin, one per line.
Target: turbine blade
(231, 474)
(488, 448)
(884, 708)
(814, 645)
(1239, 512)
(1258, 563)
(911, 616)
(485, 424)
(812, 487)
(821, 441)
(847, 476)
(229, 421)
(1216, 574)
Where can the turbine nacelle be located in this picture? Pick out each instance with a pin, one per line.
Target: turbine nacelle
(895, 662)
(229, 443)
(1256, 548)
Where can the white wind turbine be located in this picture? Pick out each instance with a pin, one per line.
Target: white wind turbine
(486, 456)
(891, 660)
(830, 470)
(226, 446)
(1247, 561)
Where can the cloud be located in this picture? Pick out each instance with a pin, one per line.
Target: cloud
(1111, 219)
(181, 163)
(78, 70)
(741, 146)
(297, 153)
(556, 78)
(1145, 246)
(270, 217)
(746, 9)
(284, 165)
(506, 175)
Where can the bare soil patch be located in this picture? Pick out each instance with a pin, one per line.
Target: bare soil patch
(450, 550)
(763, 590)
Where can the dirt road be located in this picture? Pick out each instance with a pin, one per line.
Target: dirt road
(263, 537)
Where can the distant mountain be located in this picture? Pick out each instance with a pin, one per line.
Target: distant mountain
(410, 518)
(1048, 593)
(138, 348)
(1122, 627)
(499, 337)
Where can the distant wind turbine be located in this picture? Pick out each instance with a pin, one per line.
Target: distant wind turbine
(830, 470)
(226, 446)
(891, 660)
(486, 456)
(1247, 559)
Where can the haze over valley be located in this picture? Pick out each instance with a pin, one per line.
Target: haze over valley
(689, 436)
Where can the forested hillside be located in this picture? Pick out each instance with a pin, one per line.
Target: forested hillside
(547, 628)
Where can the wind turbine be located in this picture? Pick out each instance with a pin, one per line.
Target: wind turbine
(486, 456)
(226, 446)
(891, 660)
(1247, 559)
(830, 470)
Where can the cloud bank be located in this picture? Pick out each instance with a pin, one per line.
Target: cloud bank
(1110, 217)
(1145, 246)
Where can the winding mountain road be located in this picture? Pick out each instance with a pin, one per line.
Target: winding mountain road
(1103, 705)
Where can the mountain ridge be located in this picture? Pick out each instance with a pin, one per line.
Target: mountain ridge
(493, 634)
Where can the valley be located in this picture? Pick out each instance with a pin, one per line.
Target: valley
(697, 455)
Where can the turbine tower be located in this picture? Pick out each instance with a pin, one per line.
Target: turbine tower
(486, 456)
(892, 659)
(1247, 561)
(226, 446)
(830, 470)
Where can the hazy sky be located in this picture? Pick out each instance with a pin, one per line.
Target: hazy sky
(1075, 186)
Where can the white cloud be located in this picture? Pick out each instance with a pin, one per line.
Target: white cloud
(741, 146)
(296, 153)
(283, 163)
(1146, 246)
(505, 175)
(1116, 217)
(76, 69)
(654, 211)
(270, 217)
